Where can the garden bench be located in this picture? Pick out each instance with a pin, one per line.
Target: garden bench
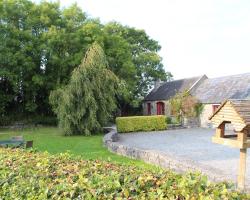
(16, 142)
(29, 144)
(12, 143)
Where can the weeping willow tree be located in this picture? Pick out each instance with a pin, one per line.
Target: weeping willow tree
(88, 101)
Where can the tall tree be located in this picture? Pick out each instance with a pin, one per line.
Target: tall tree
(87, 102)
(134, 58)
(41, 44)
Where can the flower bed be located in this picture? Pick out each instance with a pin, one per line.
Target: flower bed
(29, 175)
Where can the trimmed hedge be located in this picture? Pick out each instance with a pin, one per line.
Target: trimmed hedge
(29, 175)
(141, 123)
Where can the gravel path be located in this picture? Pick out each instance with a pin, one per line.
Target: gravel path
(190, 144)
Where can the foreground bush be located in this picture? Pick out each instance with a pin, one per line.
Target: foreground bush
(141, 123)
(27, 175)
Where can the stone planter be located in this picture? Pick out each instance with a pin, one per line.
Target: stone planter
(191, 122)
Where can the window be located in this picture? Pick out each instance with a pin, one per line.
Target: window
(215, 107)
(149, 108)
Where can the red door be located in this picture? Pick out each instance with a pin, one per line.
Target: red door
(160, 108)
(149, 108)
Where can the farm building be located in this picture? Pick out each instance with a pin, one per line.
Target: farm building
(211, 92)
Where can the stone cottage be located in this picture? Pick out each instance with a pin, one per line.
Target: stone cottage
(211, 92)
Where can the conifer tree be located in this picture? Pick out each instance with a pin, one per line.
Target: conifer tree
(87, 102)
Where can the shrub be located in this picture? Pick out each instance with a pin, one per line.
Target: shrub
(28, 120)
(168, 120)
(5, 120)
(28, 175)
(141, 123)
(43, 120)
(185, 105)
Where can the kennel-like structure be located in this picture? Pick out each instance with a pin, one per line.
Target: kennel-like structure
(236, 112)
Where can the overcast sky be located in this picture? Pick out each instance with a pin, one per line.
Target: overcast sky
(209, 37)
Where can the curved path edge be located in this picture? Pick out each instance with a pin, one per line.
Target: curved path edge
(162, 159)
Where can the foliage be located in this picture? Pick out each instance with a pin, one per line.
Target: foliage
(175, 120)
(29, 175)
(185, 105)
(31, 120)
(141, 123)
(198, 108)
(168, 120)
(41, 44)
(42, 120)
(87, 102)
(140, 66)
(172, 120)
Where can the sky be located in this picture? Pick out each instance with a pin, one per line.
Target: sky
(198, 37)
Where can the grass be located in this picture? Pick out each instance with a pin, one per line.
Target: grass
(88, 147)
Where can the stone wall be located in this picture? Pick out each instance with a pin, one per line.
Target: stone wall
(154, 107)
(205, 114)
(193, 122)
(145, 108)
(164, 160)
(202, 121)
(204, 118)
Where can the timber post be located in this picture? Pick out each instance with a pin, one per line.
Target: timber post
(242, 169)
(242, 137)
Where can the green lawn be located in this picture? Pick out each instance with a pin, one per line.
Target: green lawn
(88, 147)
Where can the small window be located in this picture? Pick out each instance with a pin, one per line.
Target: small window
(215, 107)
(149, 108)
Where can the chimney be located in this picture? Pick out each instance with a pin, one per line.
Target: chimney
(157, 84)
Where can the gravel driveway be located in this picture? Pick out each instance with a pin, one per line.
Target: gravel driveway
(190, 144)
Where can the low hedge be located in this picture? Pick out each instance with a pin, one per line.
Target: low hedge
(141, 123)
(29, 175)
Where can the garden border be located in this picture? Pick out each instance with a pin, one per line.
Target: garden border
(162, 159)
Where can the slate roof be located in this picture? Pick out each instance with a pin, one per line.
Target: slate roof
(171, 88)
(217, 90)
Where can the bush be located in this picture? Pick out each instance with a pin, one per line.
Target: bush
(28, 175)
(168, 120)
(141, 123)
(43, 120)
(6, 120)
(28, 120)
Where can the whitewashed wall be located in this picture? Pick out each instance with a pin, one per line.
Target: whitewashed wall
(204, 116)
